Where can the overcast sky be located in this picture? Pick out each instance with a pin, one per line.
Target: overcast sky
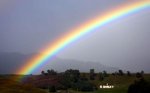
(28, 25)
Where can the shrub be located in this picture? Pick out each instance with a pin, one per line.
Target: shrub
(52, 89)
(140, 86)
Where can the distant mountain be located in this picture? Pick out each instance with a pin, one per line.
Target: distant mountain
(10, 62)
(63, 64)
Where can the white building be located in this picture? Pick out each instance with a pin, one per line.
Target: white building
(106, 86)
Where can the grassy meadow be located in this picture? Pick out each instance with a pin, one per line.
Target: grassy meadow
(8, 84)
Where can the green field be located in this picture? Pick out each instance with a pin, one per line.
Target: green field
(121, 83)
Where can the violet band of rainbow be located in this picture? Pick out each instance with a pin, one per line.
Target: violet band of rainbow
(78, 32)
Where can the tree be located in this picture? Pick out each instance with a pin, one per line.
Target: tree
(74, 75)
(128, 73)
(92, 74)
(121, 73)
(51, 72)
(141, 86)
(83, 86)
(52, 89)
(101, 76)
(83, 77)
(70, 77)
(113, 74)
(139, 75)
(48, 71)
(142, 72)
(42, 72)
(105, 73)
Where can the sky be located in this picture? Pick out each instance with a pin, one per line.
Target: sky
(26, 26)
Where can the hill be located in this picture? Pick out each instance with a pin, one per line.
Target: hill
(13, 60)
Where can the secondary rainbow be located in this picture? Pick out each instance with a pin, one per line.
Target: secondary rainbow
(59, 44)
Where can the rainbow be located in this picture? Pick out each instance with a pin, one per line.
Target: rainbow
(73, 35)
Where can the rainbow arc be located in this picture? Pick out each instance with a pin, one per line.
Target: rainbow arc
(78, 32)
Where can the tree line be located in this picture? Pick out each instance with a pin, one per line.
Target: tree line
(77, 81)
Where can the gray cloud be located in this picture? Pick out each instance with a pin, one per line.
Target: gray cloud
(27, 26)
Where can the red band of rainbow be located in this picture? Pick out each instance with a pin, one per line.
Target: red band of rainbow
(52, 49)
